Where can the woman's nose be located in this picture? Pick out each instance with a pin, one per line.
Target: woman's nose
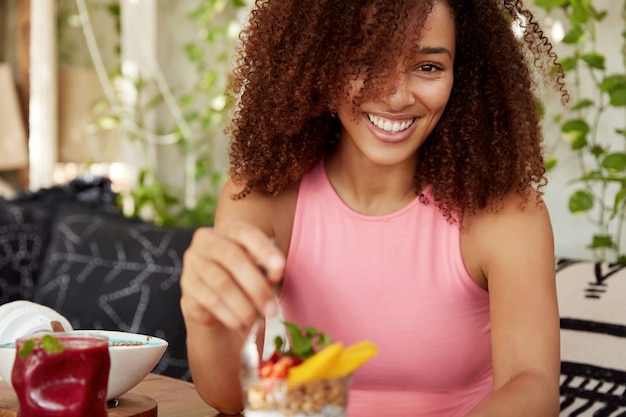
(401, 94)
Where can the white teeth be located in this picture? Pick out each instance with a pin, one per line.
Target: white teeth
(389, 126)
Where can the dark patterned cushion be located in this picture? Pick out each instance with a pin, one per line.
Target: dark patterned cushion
(105, 271)
(592, 303)
(22, 238)
(24, 230)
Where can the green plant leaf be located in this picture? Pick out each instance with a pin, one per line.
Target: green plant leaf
(574, 36)
(569, 63)
(594, 60)
(580, 202)
(575, 132)
(613, 82)
(581, 11)
(208, 81)
(615, 162)
(602, 242)
(599, 16)
(577, 142)
(576, 125)
(114, 9)
(618, 97)
(583, 104)
(193, 51)
(618, 203)
(550, 162)
(598, 151)
(541, 108)
(107, 122)
(186, 100)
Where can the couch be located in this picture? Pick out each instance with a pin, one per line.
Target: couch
(69, 248)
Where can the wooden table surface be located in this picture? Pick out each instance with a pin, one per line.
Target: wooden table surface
(174, 397)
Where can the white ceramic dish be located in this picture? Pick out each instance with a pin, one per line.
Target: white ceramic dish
(133, 356)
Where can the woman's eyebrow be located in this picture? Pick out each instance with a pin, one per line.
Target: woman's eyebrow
(428, 50)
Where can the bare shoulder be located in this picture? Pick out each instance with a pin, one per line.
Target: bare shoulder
(513, 214)
(271, 213)
(518, 231)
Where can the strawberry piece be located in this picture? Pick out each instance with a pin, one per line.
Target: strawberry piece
(281, 368)
(277, 366)
(275, 357)
(266, 370)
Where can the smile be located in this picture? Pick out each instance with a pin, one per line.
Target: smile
(391, 126)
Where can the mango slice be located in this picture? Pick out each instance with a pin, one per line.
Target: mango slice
(352, 358)
(318, 365)
(333, 361)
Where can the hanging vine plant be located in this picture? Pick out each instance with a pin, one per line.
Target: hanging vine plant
(600, 192)
(198, 115)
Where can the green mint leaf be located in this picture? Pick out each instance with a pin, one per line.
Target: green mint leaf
(305, 342)
(50, 344)
(324, 340)
(310, 331)
(301, 343)
(27, 348)
(302, 348)
(279, 343)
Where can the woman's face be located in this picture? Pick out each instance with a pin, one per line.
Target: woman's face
(389, 129)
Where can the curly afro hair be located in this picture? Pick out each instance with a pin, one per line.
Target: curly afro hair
(295, 60)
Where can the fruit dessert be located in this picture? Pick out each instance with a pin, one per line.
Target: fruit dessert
(309, 378)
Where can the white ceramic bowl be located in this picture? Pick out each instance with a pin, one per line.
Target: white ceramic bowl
(133, 356)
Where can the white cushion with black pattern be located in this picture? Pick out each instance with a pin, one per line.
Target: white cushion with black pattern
(592, 304)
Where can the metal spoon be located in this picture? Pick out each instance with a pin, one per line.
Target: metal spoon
(250, 352)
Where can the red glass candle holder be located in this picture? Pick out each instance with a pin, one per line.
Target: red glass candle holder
(61, 375)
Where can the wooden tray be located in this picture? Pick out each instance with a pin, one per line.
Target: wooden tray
(129, 405)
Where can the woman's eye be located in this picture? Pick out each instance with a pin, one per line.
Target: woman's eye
(428, 68)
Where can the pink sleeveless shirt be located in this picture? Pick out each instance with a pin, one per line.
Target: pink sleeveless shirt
(399, 281)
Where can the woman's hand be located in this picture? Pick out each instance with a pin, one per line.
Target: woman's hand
(228, 273)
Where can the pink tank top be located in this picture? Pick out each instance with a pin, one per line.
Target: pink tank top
(399, 281)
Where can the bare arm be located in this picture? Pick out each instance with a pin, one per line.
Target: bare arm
(222, 289)
(514, 248)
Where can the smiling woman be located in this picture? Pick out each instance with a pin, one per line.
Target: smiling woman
(415, 97)
(386, 182)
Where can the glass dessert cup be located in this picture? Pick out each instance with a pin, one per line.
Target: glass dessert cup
(68, 382)
(281, 397)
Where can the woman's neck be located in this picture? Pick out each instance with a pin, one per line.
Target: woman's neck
(369, 188)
